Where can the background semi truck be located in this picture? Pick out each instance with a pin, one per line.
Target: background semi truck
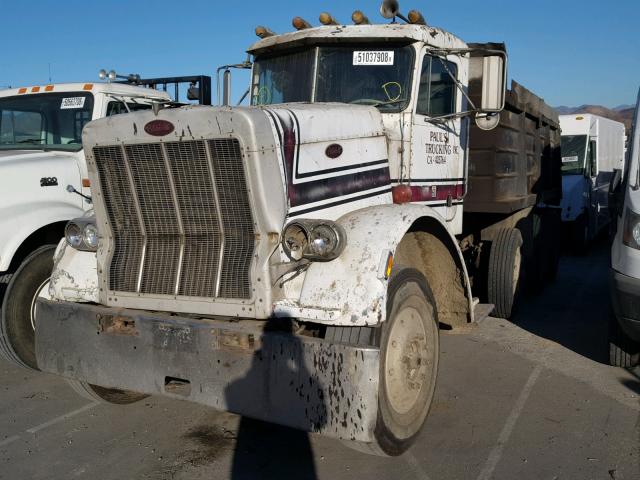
(624, 327)
(44, 181)
(592, 148)
(291, 261)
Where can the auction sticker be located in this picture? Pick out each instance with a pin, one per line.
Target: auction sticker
(72, 102)
(373, 57)
(570, 159)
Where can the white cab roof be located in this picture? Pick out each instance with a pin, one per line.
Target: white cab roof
(394, 32)
(112, 88)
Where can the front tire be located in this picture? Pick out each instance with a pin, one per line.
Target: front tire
(17, 332)
(623, 351)
(99, 394)
(409, 351)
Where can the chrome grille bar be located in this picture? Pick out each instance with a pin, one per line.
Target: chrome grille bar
(180, 212)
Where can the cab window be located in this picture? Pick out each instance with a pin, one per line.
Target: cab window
(437, 91)
(116, 108)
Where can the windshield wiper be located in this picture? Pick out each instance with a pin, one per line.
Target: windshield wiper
(31, 140)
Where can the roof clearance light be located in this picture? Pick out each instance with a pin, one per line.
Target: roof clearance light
(48, 88)
(416, 18)
(264, 32)
(22, 90)
(87, 86)
(359, 18)
(327, 19)
(300, 23)
(35, 89)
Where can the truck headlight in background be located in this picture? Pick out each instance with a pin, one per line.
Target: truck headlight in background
(82, 234)
(631, 233)
(314, 240)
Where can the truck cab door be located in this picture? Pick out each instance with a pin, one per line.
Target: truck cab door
(438, 147)
(599, 189)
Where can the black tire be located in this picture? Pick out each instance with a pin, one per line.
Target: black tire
(623, 351)
(396, 430)
(17, 335)
(503, 276)
(99, 394)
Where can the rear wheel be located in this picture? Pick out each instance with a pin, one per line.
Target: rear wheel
(503, 276)
(99, 394)
(17, 326)
(409, 350)
(623, 351)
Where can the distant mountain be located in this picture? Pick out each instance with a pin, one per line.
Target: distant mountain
(622, 113)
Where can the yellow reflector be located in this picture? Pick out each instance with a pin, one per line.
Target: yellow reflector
(327, 19)
(387, 272)
(87, 86)
(35, 89)
(48, 88)
(359, 18)
(22, 90)
(300, 23)
(579, 118)
(416, 18)
(86, 183)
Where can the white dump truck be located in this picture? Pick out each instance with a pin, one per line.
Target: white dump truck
(44, 182)
(624, 328)
(293, 260)
(592, 148)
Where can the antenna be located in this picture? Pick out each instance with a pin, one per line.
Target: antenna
(50, 72)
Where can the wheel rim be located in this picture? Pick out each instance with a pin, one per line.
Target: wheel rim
(406, 360)
(41, 292)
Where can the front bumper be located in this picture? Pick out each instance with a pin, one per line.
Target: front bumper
(625, 299)
(238, 366)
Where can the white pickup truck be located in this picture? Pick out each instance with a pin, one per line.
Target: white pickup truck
(43, 184)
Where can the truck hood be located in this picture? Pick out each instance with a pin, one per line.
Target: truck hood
(14, 156)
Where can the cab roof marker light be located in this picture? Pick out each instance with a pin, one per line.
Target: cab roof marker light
(300, 23)
(359, 18)
(327, 19)
(88, 86)
(264, 32)
(48, 88)
(35, 89)
(22, 90)
(416, 18)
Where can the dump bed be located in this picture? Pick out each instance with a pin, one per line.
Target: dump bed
(517, 164)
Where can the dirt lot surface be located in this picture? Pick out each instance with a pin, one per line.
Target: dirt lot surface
(528, 399)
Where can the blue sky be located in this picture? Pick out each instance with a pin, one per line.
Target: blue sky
(570, 52)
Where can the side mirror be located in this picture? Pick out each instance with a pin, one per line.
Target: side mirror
(488, 76)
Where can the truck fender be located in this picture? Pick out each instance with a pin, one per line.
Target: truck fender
(352, 290)
(19, 224)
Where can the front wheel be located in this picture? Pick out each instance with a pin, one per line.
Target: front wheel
(623, 351)
(17, 326)
(409, 350)
(99, 394)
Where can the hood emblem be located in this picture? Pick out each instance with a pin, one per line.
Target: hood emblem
(159, 128)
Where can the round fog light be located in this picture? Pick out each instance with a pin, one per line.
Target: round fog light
(73, 234)
(90, 236)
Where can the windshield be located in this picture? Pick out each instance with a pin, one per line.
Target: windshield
(51, 121)
(574, 148)
(355, 74)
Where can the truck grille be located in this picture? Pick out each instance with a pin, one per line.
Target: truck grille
(181, 218)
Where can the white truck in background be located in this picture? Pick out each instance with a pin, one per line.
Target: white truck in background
(44, 182)
(592, 148)
(624, 326)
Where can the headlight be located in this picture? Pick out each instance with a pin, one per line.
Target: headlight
(82, 234)
(314, 240)
(631, 234)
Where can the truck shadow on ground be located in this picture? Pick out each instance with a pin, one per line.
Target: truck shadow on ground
(573, 311)
(278, 383)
